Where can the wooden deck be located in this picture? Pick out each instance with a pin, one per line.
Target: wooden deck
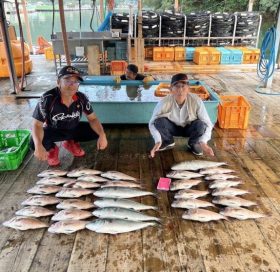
(178, 245)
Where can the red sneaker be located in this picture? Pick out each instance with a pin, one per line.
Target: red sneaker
(53, 157)
(74, 148)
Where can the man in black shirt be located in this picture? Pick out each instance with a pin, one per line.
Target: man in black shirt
(57, 118)
(132, 73)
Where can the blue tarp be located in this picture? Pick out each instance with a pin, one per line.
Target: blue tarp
(106, 23)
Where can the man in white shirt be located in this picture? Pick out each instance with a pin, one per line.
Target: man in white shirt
(181, 114)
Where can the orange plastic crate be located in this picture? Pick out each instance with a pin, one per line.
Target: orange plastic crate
(233, 112)
(214, 55)
(200, 91)
(118, 67)
(201, 56)
(157, 53)
(255, 55)
(180, 53)
(168, 54)
(162, 89)
(148, 52)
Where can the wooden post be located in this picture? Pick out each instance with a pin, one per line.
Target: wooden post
(101, 10)
(64, 33)
(176, 5)
(250, 5)
(27, 26)
(140, 41)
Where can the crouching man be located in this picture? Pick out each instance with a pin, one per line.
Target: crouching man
(57, 118)
(181, 114)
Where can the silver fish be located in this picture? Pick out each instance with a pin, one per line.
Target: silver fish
(221, 176)
(71, 214)
(241, 213)
(86, 184)
(216, 184)
(74, 204)
(233, 201)
(25, 223)
(44, 189)
(202, 215)
(70, 184)
(67, 226)
(215, 170)
(40, 200)
(121, 213)
(229, 191)
(52, 173)
(115, 226)
(183, 175)
(122, 203)
(191, 204)
(117, 175)
(184, 184)
(73, 192)
(195, 165)
(121, 183)
(93, 178)
(188, 193)
(53, 181)
(82, 172)
(34, 211)
(119, 192)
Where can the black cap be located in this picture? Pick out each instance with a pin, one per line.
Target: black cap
(71, 71)
(133, 68)
(179, 77)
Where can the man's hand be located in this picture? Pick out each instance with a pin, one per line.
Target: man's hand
(102, 142)
(155, 149)
(207, 150)
(118, 79)
(41, 153)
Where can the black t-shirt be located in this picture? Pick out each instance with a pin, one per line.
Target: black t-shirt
(53, 113)
(138, 77)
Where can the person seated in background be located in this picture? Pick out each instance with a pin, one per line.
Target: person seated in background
(132, 74)
(57, 118)
(181, 114)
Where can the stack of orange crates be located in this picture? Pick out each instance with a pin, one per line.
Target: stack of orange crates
(179, 53)
(148, 52)
(233, 112)
(163, 54)
(200, 56)
(118, 67)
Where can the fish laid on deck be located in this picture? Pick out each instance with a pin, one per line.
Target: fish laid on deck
(117, 175)
(183, 175)
(93, 178)
(233, 201)
(44, 189)
(229, 191)
(82, 172)
(67, 226)
(202, 215)
(53, 181)
(115, 226)
(34, 211)
(241, 213)
(73, 192)
(71, 214)
(216, 184)
(195, 165)
(121, 183)
(40, 200)
(74, 204)
(85, 184)
(215, 170)
(188, 193)
(191, 204)
(123, 203)
(122, 213)
(52, 173)
(25, 223)
(184, 184)
(220, 176)
(119, 192)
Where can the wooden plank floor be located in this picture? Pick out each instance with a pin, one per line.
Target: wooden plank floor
(177, 245)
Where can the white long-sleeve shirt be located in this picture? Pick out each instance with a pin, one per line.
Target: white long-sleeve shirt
(192, 109)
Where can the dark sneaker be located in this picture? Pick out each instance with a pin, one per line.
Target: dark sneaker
(196, 149)
(166, 146)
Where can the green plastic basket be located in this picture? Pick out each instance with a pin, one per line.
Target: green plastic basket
(14, 145)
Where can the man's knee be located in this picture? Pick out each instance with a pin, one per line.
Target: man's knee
(199, 125)
(161, 122)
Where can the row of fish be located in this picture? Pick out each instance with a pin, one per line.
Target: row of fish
(115, 213)
(221, 183)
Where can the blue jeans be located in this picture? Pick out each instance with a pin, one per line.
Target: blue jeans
(168, 129)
